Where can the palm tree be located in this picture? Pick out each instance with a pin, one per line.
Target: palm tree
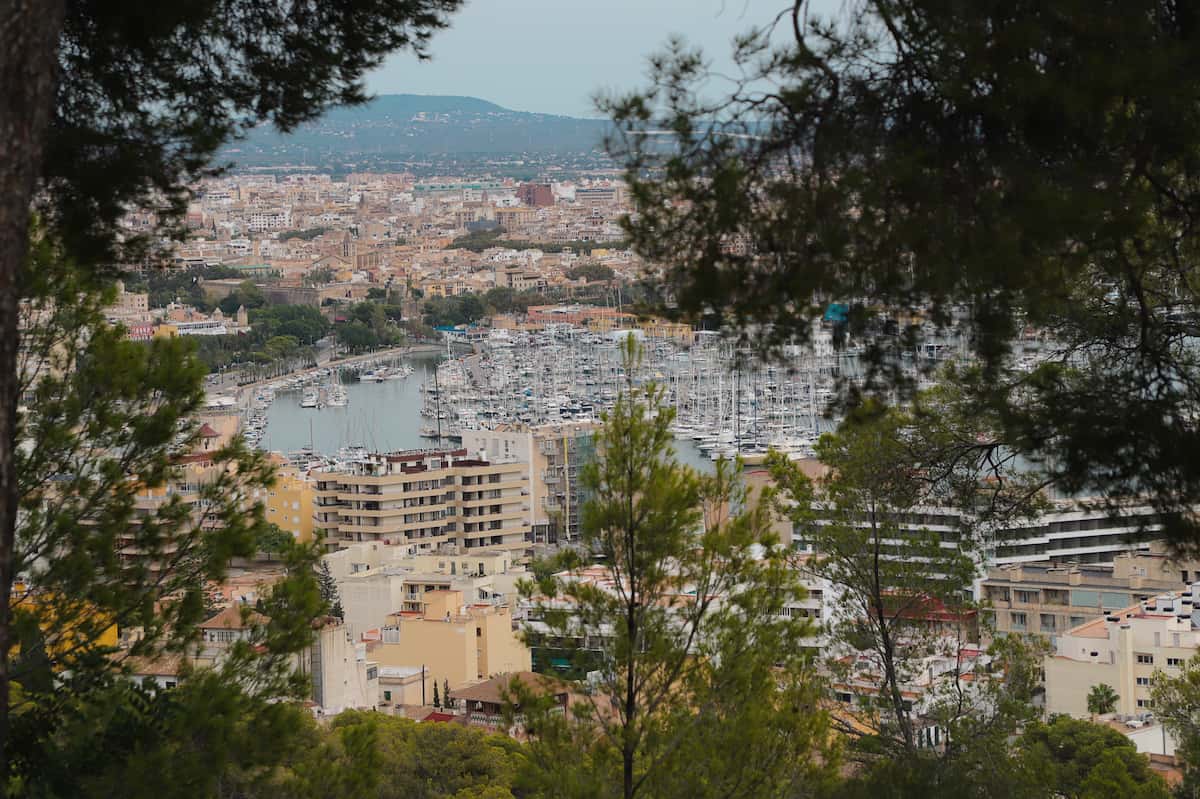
(1101, 699)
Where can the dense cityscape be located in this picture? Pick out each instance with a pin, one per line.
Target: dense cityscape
(834, 439)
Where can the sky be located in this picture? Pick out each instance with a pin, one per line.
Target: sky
(553, 56)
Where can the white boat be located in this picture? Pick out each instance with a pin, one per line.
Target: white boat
(309, 400)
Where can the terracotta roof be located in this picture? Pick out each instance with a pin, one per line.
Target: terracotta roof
(206, 431)
(162, 666)
(492, 691)
(231, 619)
(443, 717)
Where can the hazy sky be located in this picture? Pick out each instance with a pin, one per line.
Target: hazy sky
(553, 55)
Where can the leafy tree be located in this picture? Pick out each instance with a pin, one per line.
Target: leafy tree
(319, 277)
(950, 162)
(203, 736)
(1176, 698)
(437, 700)
(247, 294)
(307, 234)
(702, 687)
(100, 542)
(273, 539)
(113, 106)
(593, 273)
(1079, 759)
(329, 590)
(365, 754)
(356, 336)
(303, 322)
(1101, 699)
(900, 596)
(447, 700)
(449, 311)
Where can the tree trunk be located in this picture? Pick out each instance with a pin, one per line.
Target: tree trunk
(29, 32)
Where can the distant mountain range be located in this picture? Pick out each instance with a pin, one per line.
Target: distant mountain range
(400, 126)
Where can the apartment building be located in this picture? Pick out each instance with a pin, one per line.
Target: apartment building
(449, 641)
(1123, 650)
(421, 499)
(1070, 532)
(1048, 598)
(375, 581)
(554, 454)
(341, 677)
(289, 503)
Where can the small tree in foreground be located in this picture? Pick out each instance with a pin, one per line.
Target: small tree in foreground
(700, 686)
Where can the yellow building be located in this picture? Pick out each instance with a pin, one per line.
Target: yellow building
(449, 641)
(289, 503)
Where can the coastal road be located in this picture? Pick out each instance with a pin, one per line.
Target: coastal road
(244, 392)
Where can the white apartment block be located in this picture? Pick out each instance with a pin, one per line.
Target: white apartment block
(1123, 650)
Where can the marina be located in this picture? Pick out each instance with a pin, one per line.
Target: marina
(727, 403)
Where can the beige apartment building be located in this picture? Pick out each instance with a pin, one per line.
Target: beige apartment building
(1123, 650)
(1048, 598)
(422, 499)
(375, 581)
(553, 455)
(448, 640)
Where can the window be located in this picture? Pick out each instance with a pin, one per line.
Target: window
(1019, 620)
(387, 696)
(1143, 680)
(1175, 662)
(1077, 620)
(170, 684)
(373, 673)
(478, 632)
(1026, 597)
(1048, 621)
(1144, 658)
(1183, 575)
(1145, 703)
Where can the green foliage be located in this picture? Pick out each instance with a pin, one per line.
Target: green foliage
(593, 273)
(301, 325)
(702, 687)
(1090, 761)
(306, 234)
(367, 327)
(921, 157)
(368, 754)
(141, 110)
(505, 300)
(1176, 698)
(109, 419)
(164, 286)
(449, 311)
(319, 277)
(486, 239)
(1102, 699)
(273, 539)
(246, 295)
(182, 742)
(329, 590)
(904, 589)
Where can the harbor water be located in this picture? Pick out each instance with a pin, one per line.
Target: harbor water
(382, 417)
